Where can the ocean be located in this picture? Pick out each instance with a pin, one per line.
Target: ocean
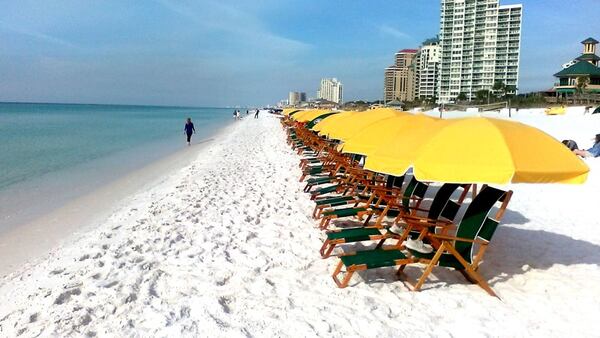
(50, 153)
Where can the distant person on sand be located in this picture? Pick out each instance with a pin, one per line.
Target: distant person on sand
(256, 114)
(189, 130)
(594, 151)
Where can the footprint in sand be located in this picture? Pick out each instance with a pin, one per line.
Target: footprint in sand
(66, 296)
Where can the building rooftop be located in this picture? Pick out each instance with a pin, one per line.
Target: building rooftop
(510, 6)
(580, 68)
(588, 57)
(408, 51)
(431, 41)
(589, 40)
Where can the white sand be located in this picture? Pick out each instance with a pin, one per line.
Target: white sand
(28, 241)
(226, 247)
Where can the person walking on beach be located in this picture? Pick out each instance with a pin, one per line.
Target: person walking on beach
(189, 130)
(256, 114)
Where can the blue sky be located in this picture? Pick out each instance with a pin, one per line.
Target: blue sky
(244, 52)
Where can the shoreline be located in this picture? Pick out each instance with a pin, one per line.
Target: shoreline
(24, 244)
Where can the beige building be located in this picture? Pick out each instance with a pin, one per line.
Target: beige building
(399, 80)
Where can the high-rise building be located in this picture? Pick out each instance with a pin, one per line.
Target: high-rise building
(426, 69)
(480, 44)
(399, 80)
(331, 90)
(295, 98)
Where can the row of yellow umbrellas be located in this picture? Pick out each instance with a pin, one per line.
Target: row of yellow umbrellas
(466, 150)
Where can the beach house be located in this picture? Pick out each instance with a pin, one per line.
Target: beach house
(581, 76)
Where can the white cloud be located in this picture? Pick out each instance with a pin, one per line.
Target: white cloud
(248, 29)
(38, 35)
(389, 30)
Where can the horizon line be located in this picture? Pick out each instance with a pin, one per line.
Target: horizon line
(122, 104)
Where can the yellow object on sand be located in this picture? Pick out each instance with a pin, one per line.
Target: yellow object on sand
(309, 115)
(385, 133)
(556, 111)
(347, 126)
(486, 150)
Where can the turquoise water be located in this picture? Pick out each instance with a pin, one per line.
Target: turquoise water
(37, 139)
(76, 147)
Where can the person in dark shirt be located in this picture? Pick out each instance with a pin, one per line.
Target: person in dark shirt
(189, 130)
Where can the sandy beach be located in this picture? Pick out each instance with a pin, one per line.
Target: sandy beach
(226, 246)
(31, 240)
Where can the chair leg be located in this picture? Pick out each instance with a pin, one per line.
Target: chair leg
(327, 248)
(467, 277)
(324, 223)
(380, 244)
(307, 187)
(481, 282)
(472, 273)
(429, 268)
(314, 214)
(344, 282)
(400, 270)
(319, 212)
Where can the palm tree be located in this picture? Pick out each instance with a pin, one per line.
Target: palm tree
(499, 88)
(581, 83)
(507, 92)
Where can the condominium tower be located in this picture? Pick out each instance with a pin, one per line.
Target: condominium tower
(331, 90)
(426, 69)
(480, 43)
(399, 80)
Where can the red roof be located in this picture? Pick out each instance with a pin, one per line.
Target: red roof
(411, 51)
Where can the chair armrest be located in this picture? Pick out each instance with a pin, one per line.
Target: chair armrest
(415, 220)
(459, 239)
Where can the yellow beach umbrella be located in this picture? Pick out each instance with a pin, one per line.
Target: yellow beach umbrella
(383, 133)
(347, 127)
(310, 115)
(295, 116)
(291, 111)
(486, 150)
(332, 120)
(320, 118)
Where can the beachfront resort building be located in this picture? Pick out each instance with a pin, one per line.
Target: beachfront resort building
(426, 69)
(296, 98)
(480, 45)
(399, 80)
(580, 75)
(331, 90)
